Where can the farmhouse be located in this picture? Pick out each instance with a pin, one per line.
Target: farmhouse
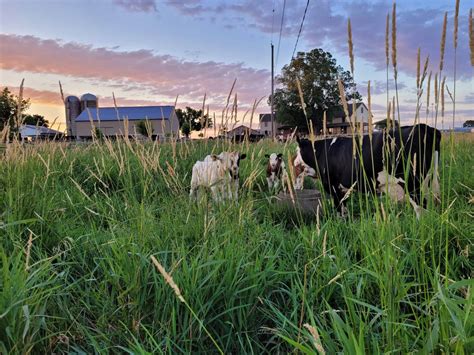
(340, 125)
(84, 116)
(266, 124)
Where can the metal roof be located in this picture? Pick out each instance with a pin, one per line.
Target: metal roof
(28, 130)
(72, 98)
(136, 113)
(88, 97)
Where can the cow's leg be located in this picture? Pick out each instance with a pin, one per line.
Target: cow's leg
(418, 210)
(192, 193)
(275, 185)
(270, 183)
(235, 196)
(435, 179)
(285, 181)
(216, 192)
(194, 188)
(299, 181)
(338, 197)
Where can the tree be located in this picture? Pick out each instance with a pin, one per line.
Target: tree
(468, 123)
(35, 120)
(144, 128)
(186, 129)
(9, 109)
(318, 73)
(193, 117)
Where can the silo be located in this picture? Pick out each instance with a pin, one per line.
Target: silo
(73, 109)
(89, 100)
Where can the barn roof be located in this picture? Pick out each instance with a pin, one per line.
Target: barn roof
(121, 113)
(28, 130)
(244, 128)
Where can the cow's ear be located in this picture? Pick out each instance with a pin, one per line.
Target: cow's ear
(243, 156)
(266, 156)
(279, 155)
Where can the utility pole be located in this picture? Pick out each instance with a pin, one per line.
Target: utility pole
(271, 102)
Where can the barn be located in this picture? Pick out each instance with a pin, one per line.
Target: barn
(31, 132)
(84, 117)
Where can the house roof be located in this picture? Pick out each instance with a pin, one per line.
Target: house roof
(121, 113)
(244, 128)
(340, 111)
(32, 130)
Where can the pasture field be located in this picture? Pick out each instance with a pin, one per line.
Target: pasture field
(79, 224)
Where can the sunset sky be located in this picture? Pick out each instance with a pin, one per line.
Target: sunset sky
(149, 51)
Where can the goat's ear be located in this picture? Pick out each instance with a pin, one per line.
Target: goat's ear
(267, 156)
(279, 155)
(242, 156)
(298, 139)
(214, 157)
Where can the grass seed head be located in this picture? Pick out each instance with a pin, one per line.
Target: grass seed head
(443, 42)
(456, 22)
(394, 39)
(351, 45)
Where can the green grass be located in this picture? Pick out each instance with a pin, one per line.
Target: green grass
(380, 281)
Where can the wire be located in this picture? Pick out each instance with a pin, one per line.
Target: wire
(281, 29)
(273, 20)
(301, 27)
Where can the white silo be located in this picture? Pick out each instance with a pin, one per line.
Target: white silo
(89, 101)
(73, 109)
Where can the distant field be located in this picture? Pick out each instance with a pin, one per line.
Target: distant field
(78, 225)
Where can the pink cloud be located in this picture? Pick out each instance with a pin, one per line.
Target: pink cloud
(48, 97)
(164, 74)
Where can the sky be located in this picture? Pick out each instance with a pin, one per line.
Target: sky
(149, 52)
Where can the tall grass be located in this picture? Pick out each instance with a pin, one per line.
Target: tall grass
(79, 224)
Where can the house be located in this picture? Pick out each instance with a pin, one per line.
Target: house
(266, 124)
(32, 132)
(339, 124)
(84, 116)
(239, 133)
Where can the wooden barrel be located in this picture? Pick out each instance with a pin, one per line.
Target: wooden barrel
(306, 201)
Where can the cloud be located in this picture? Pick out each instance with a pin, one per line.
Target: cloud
(48, 97)
(378, 87)
(137, 5)
(167, 76)
(326, 26)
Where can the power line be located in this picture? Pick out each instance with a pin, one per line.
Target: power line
(301, 27)
(281, 29)
(273, 20)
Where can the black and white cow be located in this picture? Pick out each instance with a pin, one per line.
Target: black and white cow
(399, 158)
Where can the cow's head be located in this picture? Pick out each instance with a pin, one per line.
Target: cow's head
(306, 152)
(274, 160)
(232, 162)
